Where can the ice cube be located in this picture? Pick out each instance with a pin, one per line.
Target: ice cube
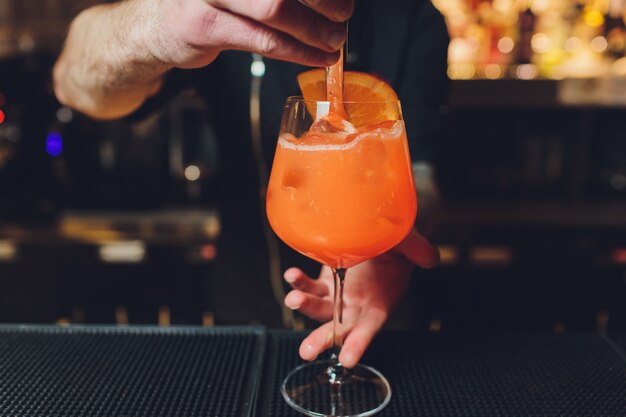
(294, 178)
(333, 123)
(379, 127)
(371, 152)
(388, 129)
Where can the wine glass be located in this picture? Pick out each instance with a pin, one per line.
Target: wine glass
(340, 196)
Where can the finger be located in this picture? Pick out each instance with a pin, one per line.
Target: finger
(300, 281)
(361, 336)
(417, 249)
(337, 10)
(292, 18)
(316, 342)
(311, 306)
(237, 32)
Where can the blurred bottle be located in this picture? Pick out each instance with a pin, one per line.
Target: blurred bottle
(502, 32)
(549, 38)
(524, 51)
(615, 29)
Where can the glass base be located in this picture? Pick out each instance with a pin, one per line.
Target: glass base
(363, 391)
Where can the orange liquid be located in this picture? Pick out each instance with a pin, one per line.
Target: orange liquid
(342, 199)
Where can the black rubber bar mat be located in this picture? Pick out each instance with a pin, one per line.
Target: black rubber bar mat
(189, 372)
(129, 372)
(483, 376)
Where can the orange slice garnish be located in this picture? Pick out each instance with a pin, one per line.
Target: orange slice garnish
(368, 99)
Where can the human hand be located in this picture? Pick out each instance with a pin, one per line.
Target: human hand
(371, 291)
(191, 33)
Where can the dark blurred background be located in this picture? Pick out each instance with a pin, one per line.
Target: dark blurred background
(116, 222)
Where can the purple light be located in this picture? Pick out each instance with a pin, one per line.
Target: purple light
(54, 144)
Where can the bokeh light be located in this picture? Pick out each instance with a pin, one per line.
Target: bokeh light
(526, 72)
(540, 42)
(461, 71)
(257, 69)
(493, 71)
(192, 173)
(593, 18)
(65, 115)
(599, 44)
(54, 144)
(506, 45)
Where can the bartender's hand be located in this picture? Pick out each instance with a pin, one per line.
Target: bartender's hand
(371, 291)
(115, 55)
(192, 33)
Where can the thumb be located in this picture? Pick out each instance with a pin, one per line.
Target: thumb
(418, 250)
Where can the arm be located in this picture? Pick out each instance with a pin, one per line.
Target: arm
(105, 69)
(116, 55)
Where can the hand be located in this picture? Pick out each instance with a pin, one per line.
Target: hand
(191, 33)
(371, 291)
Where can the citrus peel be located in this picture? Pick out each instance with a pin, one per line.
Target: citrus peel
(367, 99)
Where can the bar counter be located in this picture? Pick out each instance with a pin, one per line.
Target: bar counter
(222, 372)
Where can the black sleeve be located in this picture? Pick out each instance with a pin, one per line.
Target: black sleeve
(423, 81)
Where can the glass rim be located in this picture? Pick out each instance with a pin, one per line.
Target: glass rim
(302, 100)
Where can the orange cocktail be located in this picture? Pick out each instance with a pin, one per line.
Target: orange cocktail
(342, 198)
(341, 192)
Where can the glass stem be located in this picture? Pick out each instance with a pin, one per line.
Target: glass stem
(336, 370)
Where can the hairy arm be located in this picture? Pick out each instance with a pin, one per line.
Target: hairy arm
(116, 55)
(106, 69)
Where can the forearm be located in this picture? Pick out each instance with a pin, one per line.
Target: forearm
(106, 69)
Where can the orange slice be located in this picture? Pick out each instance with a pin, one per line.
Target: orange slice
(369, 100)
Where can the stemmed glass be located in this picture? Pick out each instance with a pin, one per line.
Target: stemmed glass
(341, 197)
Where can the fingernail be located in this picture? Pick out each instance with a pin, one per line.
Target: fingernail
(290, 305)
(348, 360)
(308, 352)
(332, 59)
(289, 278)
(336, 39)
(343, 14)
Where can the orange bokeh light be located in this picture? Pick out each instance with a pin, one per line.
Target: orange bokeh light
(619, 256)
